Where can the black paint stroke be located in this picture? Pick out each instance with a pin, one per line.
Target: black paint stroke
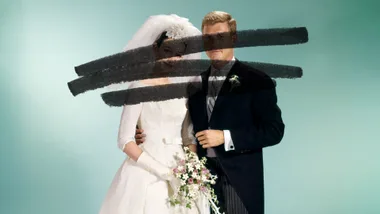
(149, 93)
(141, 63)
(180, 68)
(245, 38)
(169, 91)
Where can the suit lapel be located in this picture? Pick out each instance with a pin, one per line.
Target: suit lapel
(205, 75)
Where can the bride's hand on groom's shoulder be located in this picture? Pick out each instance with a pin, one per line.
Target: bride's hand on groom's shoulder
(210, 138)
(139, 136)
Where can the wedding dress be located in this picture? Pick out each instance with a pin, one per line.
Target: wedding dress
(134, 190)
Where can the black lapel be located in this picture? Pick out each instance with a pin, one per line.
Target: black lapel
(205, 75)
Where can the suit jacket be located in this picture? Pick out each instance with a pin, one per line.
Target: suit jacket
(249, 110)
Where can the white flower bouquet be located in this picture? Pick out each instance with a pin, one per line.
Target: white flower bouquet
(195, 179)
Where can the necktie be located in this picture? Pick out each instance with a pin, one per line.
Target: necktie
(211, 98)
(213, 91)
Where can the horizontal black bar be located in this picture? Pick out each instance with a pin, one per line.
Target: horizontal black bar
(162, 92)
(245, 38)
(147, 94)
(158, 69)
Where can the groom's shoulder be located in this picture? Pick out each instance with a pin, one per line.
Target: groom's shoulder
(250, 71)
(254, 76)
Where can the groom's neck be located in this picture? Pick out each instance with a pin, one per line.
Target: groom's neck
(219, 64)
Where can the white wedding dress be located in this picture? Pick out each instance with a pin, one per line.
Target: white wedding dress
(135, 190)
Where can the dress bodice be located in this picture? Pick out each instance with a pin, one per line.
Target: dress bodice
(166, 124)
(163, 118)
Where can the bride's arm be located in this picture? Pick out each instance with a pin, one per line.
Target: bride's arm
(193, 147)
(188, 137)
(126, 140)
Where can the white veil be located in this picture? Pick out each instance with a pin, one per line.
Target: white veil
(176, 27)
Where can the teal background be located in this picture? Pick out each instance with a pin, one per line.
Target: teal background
(58, 153)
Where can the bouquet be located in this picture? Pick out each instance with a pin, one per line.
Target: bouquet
(195, 179)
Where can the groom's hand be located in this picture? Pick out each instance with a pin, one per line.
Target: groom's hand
(139, 136)
(210, 138)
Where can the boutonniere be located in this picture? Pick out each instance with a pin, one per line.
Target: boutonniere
(234, 80)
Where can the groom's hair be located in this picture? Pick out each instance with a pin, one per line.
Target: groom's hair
(215, 17)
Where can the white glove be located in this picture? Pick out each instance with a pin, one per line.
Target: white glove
(203, 204)
(175, 184)
(163, 172)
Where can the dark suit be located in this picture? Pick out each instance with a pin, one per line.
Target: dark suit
(251, 114)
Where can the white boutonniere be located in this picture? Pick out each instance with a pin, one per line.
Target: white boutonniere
(234, 80)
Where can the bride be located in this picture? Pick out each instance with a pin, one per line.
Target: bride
(144, 183)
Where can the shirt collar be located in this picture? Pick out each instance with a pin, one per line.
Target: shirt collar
(225, 68)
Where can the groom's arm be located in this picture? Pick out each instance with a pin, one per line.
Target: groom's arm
(268, 130)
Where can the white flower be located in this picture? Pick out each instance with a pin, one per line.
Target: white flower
(198, 166)
(189, 165)
(234, 79)
(195, 175)
(185, 176)
(180, 168)
(183, 182)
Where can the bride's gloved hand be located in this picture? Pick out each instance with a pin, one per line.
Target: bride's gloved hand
(203, 204)
(175, 184)
(163, 172)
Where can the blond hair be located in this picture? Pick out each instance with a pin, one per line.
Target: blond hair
(215, 17)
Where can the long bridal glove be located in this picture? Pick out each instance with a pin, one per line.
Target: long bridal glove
(165, 173)
(203, 204)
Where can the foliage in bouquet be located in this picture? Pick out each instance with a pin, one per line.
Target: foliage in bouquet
(194, 178)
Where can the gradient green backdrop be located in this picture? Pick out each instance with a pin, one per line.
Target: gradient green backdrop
(58, 152)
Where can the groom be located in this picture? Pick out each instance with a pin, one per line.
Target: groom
(234, 121)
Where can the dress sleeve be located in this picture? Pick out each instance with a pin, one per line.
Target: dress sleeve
(188, 136)
(128, 121)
